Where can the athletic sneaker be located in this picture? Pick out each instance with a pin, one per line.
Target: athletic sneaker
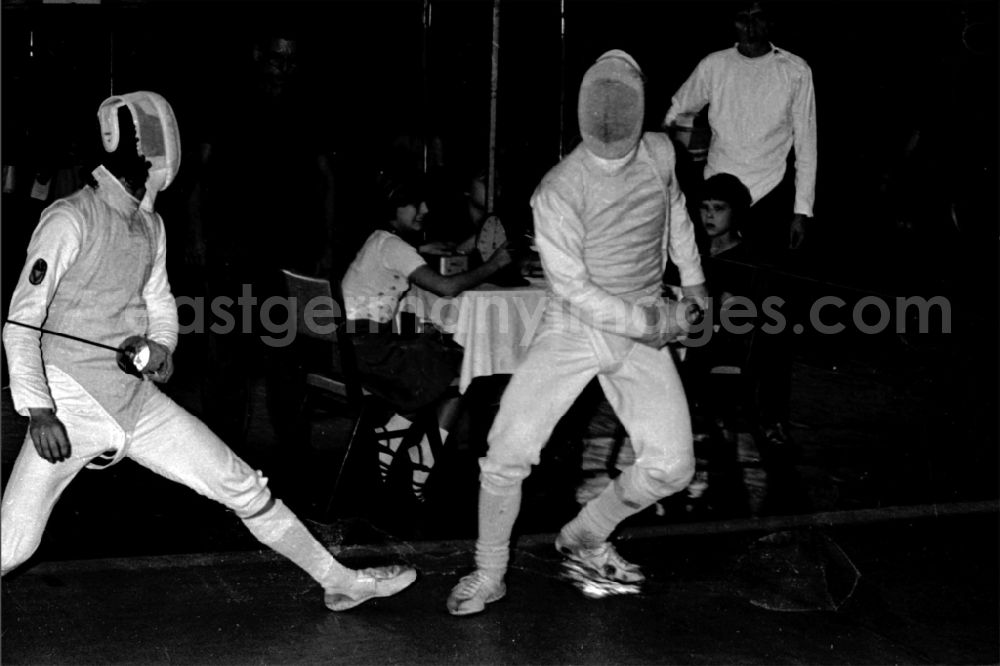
(604, 561)
(371, 583)
(474, 591)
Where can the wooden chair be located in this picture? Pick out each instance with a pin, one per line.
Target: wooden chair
(329, 369)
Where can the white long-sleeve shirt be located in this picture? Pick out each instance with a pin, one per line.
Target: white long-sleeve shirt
(758, 110)
(102, 277)
(604, 237)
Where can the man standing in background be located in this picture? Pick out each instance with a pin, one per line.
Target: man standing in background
(761, 106)
(263, 201)
(762, 111)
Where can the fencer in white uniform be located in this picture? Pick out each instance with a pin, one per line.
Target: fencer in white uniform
(606, 219)
(96, 269)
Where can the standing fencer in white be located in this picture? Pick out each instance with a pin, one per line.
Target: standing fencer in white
(606, 218)
(96, 269)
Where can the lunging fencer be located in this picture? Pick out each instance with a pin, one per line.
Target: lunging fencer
(606, 219)
(96, 269)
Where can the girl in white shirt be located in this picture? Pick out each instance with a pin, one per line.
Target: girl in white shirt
(409, 370)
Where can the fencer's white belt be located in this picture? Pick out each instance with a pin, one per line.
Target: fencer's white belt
(106, 459)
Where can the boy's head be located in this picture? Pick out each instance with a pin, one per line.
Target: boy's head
(405, 201)
(723, 202)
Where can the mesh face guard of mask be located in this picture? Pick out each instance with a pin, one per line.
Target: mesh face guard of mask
(611, 106)
(157, 135)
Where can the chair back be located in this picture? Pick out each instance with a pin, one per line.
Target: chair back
(319, 314)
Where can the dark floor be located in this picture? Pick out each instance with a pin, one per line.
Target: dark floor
(927, 594)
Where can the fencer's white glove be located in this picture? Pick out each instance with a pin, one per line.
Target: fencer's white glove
(698, 293)
(161, 363)
(667, 320)
(143, 357)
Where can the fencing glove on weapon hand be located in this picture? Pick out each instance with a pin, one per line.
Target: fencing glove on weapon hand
(142, 357)
(611, 106)
(157, 137)
(669, 320)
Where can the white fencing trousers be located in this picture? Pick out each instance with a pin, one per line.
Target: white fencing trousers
(167, 440)
(641, 383)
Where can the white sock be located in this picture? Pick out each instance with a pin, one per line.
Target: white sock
(279, 529)
(497, 515)
(601, 515)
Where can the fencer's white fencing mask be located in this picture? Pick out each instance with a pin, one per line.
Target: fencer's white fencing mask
(611, 106)
(156, 132)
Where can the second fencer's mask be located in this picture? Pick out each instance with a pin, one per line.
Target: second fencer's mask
(611, 106)
(157, 137)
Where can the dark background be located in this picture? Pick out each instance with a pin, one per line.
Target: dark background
(880, 69)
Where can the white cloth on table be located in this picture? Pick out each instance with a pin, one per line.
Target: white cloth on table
(493, 325)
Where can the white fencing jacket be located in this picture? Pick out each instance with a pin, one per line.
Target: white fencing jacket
(102, 277)
(604, 236)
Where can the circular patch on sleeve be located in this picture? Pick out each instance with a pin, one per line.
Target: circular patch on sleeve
(38, 272)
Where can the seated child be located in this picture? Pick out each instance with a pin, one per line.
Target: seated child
(409, 371)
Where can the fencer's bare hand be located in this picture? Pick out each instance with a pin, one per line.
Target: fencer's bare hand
(797, 231)
(48, 434)
(161, 363)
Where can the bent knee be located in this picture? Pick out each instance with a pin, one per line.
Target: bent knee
(502, 478)
(667, 478)
(248, 498)
(509, 459)
(251, 505)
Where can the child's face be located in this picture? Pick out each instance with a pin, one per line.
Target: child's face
(410, 218)
(716, 217)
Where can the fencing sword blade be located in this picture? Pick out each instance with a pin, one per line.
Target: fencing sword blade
(65, 335)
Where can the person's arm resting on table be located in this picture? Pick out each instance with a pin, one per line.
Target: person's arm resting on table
(453, 285)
